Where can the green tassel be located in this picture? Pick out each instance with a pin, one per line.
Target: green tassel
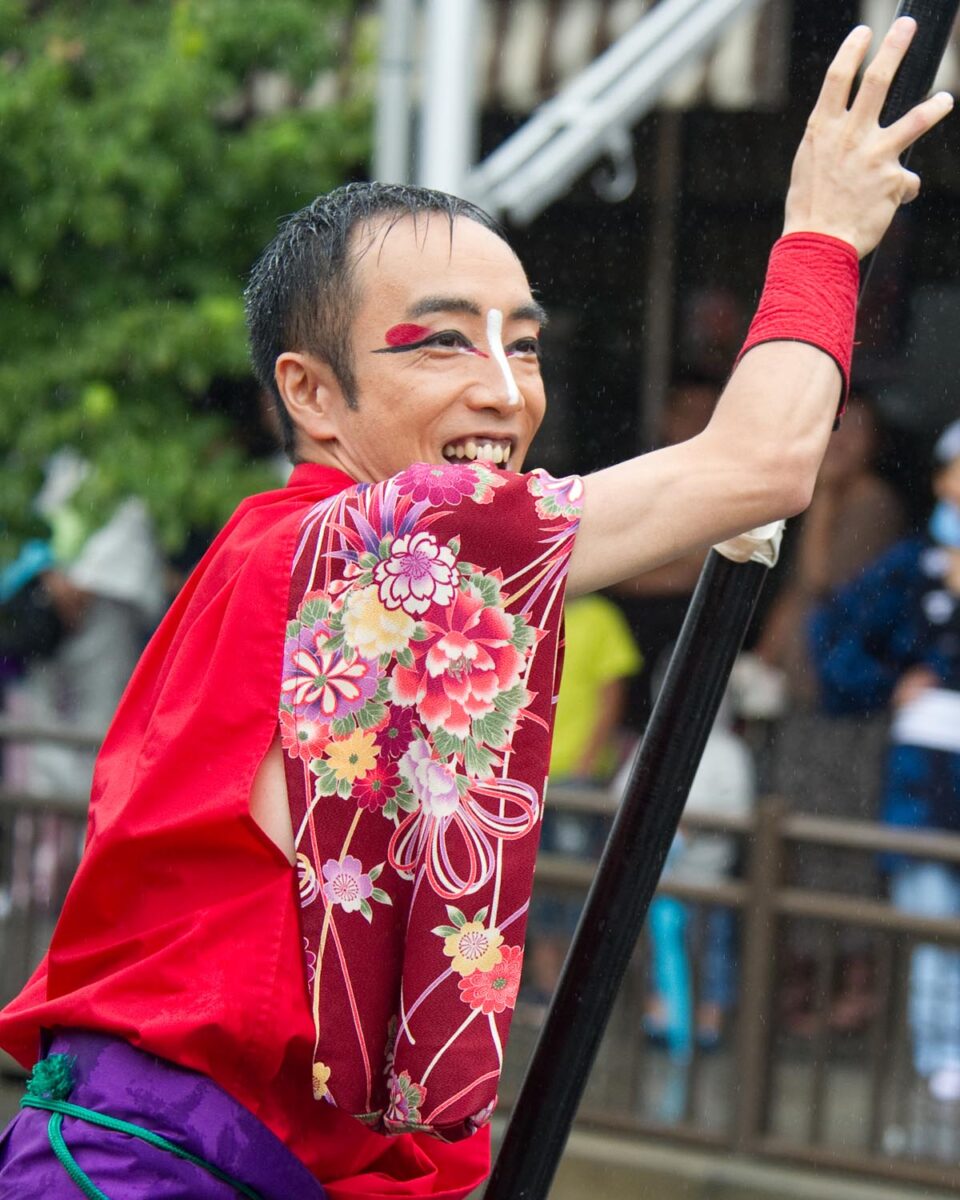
(52, 1078)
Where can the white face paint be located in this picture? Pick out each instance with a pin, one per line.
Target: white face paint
(495, 342)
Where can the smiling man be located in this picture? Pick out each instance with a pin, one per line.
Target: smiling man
(290, 956)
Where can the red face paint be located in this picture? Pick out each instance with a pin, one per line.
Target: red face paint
(405, 335)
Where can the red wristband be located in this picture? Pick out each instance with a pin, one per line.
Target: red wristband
(810, 295)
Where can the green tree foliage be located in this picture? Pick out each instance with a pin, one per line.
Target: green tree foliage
(141, 171)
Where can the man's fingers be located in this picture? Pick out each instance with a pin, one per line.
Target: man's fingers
(879, 75)
(911, 187)
(918, 121)
(835, 92)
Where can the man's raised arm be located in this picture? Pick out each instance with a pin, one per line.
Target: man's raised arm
(758, 458)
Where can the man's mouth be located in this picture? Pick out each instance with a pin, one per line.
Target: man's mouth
(495, 451)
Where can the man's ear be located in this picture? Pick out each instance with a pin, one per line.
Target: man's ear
(311, 395)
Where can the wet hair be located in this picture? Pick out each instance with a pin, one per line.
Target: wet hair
(303, 294)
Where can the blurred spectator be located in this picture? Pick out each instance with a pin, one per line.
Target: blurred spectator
(105, 588)
(854, 515)
(712, 330)
(893, 637)
(724, 786)
(656, 602)
(600, 655)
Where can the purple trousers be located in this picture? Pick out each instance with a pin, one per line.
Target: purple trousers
(186, 1108)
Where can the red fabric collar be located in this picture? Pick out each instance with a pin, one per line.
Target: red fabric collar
(316, 475)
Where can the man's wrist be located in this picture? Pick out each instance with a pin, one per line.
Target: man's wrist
(810, 295)
(795, 228)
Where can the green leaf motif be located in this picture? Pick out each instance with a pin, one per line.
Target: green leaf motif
(406, 800)
(344, 788)
(371, 714)
(456, 916)
(454, 546)
(381, 896)
(382, 693)
(313, 611)
(491, 729)
(367, 911)
(480, 915)
(489, 590)
(478, 760)
(420, 634)
(342, 727)
(445, 931)
(447, 744)
(385, 543)
(293, 629)
(510, 700)
(325, 785)
(374, 872)
(405, 658)
(333, 643)
(523, 636)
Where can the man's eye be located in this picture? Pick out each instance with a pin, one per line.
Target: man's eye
(448, 339)
(525, 347)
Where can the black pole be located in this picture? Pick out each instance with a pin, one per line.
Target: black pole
(656, 792)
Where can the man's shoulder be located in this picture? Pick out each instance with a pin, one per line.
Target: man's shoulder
(448, 485)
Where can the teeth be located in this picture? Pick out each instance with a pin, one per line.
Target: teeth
(496, 453)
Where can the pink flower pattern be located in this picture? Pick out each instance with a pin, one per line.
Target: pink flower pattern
(418, 573)
(322, 684)
(304, 739)
(495, 990)
(437, 483)
(346, 885)
(463, 665)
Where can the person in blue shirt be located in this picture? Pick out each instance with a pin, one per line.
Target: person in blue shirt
(892, 637)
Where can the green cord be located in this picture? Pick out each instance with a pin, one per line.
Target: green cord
(61, 1108)
(69, 1163)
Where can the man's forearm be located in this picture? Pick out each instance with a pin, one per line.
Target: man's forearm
(756, 462)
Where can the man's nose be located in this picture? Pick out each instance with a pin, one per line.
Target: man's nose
(495, 386)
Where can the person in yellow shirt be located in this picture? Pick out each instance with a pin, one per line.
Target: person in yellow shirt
(600, 656)
(599, 659)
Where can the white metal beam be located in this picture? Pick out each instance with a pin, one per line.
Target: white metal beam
(568, 133)
(448, 109)
(392, 152)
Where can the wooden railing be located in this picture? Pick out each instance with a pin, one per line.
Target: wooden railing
(848, 1101)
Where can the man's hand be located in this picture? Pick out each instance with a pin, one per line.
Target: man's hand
(847, 180)
(911, 684)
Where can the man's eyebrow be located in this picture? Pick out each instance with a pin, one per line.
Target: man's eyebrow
(531, 311)
(441, 304)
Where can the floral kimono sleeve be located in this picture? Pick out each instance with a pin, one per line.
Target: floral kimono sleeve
(416, 711)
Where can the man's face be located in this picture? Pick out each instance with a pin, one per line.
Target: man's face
(946, 483)
(445, 350)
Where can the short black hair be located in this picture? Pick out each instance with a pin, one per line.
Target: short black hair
(302, 294)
